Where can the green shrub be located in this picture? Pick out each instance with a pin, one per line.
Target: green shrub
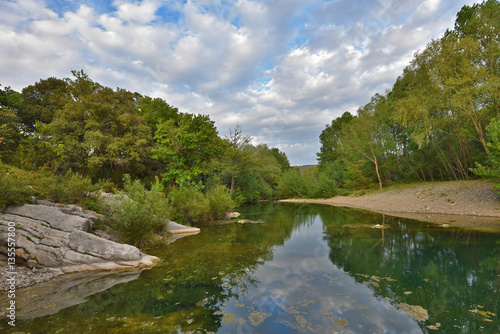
(139, 213)
(71, 188)
(219, 201)
(12, 191)
(293, 185)
(108, 187)
(325, 187)
(188, 204)
(238, 197)
(334, 170)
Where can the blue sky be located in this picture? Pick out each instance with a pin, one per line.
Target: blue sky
(282, 69)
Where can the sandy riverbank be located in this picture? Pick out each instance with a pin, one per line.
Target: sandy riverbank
(471, 204)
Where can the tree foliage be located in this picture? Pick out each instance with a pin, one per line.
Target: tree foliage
(188, 147)
(81, 135)
(439, 120)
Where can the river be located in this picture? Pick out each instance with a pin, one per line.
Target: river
(291, 268)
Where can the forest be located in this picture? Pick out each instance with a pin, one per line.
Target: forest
(65, 139)
(440, 121)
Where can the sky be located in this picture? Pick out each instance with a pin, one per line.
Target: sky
(281, 69)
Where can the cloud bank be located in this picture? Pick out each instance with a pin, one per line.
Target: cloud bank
(282, 69)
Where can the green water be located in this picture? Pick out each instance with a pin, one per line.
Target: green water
(302, 268)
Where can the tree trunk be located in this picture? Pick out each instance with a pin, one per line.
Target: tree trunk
(232, 185)
(378, 174)
(376, 167)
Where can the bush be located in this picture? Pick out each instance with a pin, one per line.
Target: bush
(325, 187)
(293, 185)
(188, 204)
(139, 213)
(12, 191)
(219, 201)
(71, 188)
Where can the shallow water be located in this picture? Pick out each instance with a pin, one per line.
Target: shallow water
(300, 268)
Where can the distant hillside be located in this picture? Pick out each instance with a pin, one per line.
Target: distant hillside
(303, 167)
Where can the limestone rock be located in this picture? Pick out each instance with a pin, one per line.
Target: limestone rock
(109, 250)
(175, 228)
(232, 215)
(31, 263)
(53, 216)
(58, 237)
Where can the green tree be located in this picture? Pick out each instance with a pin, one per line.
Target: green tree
(97, 133)
(10, 103)
(330, 139)
(362, 140)
(154, 111)
(238, 154)
(41, 102)
(438, 101)
(492, 166)
(188, 147)
(281, 158)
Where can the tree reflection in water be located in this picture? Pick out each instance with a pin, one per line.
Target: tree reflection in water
(307, 268)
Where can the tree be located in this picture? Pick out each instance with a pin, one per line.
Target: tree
(330, 139)
(10, 103)
(492, 166)
(281, 158)
(154, 111)
(97, 132)
(238, 154)
(188, 147)
(361, 139)
(41, 101)
(265, 164)
(459, 79)
(440, 101)
(117, 138)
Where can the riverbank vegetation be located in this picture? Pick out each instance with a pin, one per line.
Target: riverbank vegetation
(66, 139)
(440, 121)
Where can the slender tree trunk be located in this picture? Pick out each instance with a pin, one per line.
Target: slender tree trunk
(232, 185)
(479, 130)
(378, 174)
(376, 167)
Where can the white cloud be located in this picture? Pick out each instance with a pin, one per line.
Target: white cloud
(281, 68)
(428, 7)
(140, 12)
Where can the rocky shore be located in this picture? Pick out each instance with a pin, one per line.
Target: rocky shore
(25, 276)
(47, 240)
(469, 204)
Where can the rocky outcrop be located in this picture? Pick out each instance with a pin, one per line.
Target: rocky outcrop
(60, 237)
(174, 228)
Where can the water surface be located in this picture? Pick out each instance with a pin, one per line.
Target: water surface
(301, 268)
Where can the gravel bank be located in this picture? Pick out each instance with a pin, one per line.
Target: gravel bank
(24, 276)
(472, 204)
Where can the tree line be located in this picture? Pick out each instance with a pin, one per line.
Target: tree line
(440, 120)
(67, 139)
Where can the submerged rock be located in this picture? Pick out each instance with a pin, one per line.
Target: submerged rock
(415, 311)
(248, 221)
